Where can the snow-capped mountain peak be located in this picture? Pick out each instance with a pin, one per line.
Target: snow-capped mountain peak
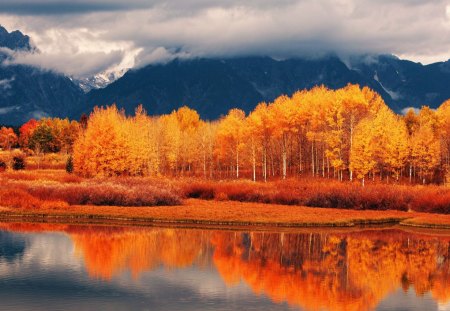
(100, 80)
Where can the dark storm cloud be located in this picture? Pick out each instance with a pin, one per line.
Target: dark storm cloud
(54, 7)
(63, 7)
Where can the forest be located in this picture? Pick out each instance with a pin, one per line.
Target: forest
(344, 134)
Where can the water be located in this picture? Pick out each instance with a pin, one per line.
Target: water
(68, 267)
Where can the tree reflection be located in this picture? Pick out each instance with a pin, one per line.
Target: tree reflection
(322, 270)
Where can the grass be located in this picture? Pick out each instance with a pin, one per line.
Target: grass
(50, 161)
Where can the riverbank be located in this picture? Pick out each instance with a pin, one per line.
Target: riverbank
(39, 189)
(54, 195)
(227, 213)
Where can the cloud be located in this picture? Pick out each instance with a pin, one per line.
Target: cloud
(157, 55)
(6, 110)
(154, 31)
(76, 52)
(5, 84)
(77, 65)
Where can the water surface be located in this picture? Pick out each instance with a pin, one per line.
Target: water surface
(55, 267)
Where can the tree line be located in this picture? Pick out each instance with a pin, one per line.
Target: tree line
(349, 133)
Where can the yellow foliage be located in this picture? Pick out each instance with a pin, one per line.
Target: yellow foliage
(320, 131)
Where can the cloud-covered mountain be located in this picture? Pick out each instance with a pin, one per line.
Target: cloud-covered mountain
(29, 92)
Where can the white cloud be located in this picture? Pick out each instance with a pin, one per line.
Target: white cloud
(154, 31)
(77, 52)
(78, 64)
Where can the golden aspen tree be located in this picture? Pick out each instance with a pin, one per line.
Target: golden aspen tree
(362, 154)
(206, 138)
(188, 123)
(230, 137)
(7, 138)
(334, 137)
(302, 118)
(390, 142)
(254, 130)
(263, 128)
(103, 148)
(425, 150)
(143, 146)
(411, 121)
(374, 101)
(283, 122)
(171, 145)
(70, 133)
(444, 129)
(355, 107)
(318, 102)
(397, 147)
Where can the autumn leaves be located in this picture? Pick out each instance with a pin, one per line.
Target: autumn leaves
(346, 133)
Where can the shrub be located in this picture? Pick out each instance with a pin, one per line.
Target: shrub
(199, 190)
(325, 193)
(106, 193)
(18, 163)
(18, 198)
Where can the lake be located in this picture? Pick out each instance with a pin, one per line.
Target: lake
(93, 267)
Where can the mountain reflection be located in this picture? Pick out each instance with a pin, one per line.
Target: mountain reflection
(321, 270)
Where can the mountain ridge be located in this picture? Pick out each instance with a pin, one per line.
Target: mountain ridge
(213, 86)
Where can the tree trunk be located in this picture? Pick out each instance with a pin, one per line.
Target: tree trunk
(254, 161)
(312, 158)
(265, 164)
(352, 120)
(410, 173)
(237, 164)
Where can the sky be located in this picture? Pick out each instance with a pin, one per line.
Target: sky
(84, 37)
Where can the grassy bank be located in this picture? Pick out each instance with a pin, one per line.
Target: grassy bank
(201, 212)
(284, 203)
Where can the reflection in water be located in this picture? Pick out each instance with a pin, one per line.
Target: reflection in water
(323, 270)
(11, 246)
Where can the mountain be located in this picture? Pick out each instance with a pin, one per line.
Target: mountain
(213, 86)
(14, 40)
(28, 92)
(100, 80)
(409, 84)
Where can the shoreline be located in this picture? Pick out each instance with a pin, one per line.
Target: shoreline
(219, 214)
